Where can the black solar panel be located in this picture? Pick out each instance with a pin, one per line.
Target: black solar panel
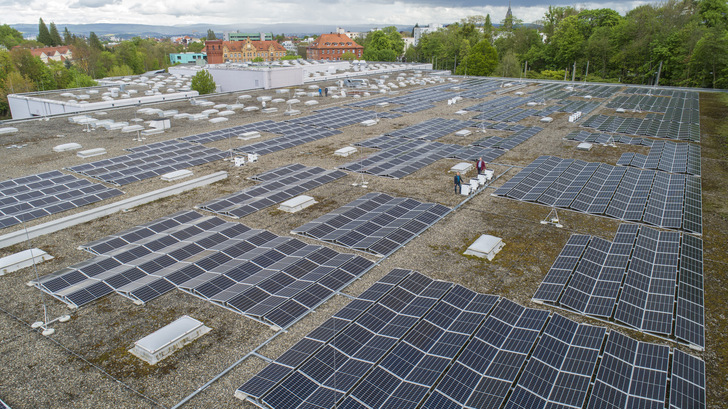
(266, 277)
(278, 185)
(377, 227)
(31, 197)
(632, 280)
(149, 161)
(413, 342)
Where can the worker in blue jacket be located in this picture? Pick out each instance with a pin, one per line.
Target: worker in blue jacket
(458, 183)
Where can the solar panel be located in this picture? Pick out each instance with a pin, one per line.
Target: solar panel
(30, 197)
(687, 381)
(149, 161)
(377, 225)
(278, 185)
(266, 277)
(654, 197)
(633, 280)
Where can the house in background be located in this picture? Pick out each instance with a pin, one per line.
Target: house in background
(332, 47)
(60, 53)
(219, 51)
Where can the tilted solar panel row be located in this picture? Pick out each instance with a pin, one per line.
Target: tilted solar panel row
(413, 342)
(633, 280)
(270, 278)
(653, 197)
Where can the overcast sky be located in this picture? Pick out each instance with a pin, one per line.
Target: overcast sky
(329, 12)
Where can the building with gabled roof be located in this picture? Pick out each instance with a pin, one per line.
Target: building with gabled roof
(219, 52)
(60, 53)
(332, 47)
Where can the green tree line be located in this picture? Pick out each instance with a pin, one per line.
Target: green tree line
(687, 38)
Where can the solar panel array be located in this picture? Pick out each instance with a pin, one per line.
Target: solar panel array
(400, 157)
(670, 102)
(30, 197)
(667, 156)
(510, 141)
(413, 342)
(278, 185)
(559, 91)
(376, 223)
(633, 280)
(270, 278)
(339, 117)
(148, 161)
(605, 138)
(226, 133)
(654, 127)
(295, 135)
(654, 197)
(432, 129)
(414, 101)
(478, 88)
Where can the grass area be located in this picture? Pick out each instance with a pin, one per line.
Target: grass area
(714, 145)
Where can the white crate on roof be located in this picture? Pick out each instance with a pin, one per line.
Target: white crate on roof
(462, 167)
(168, 339)
(486, 246)
(297, 203)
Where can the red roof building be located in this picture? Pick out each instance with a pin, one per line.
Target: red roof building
(60, 53)
(332, 47)
(243, 51)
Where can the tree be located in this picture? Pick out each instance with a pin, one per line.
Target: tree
(10, 37)
(710, 57)
(93, 41)
(44, 36)
(480, 60)
(211, 34)
(67, 36)
(509, 66)
(203, 83)
(568, 42)
(55, 36)
(195, 47)
(348, 56)
(714, 13)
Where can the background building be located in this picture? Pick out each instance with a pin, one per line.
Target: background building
(419, 31)
(186, 58)
(60, 53)
(332, 47)
(238, 36)
(246, 51)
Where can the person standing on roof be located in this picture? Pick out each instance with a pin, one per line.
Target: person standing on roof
(480, 165)
(320, 91)
(326, 92)
(458, 183)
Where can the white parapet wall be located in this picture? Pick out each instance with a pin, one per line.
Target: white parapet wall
(29, 105)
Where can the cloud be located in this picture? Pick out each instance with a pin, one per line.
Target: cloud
(93, 3)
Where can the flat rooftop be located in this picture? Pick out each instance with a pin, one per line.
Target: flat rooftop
(86, 363)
